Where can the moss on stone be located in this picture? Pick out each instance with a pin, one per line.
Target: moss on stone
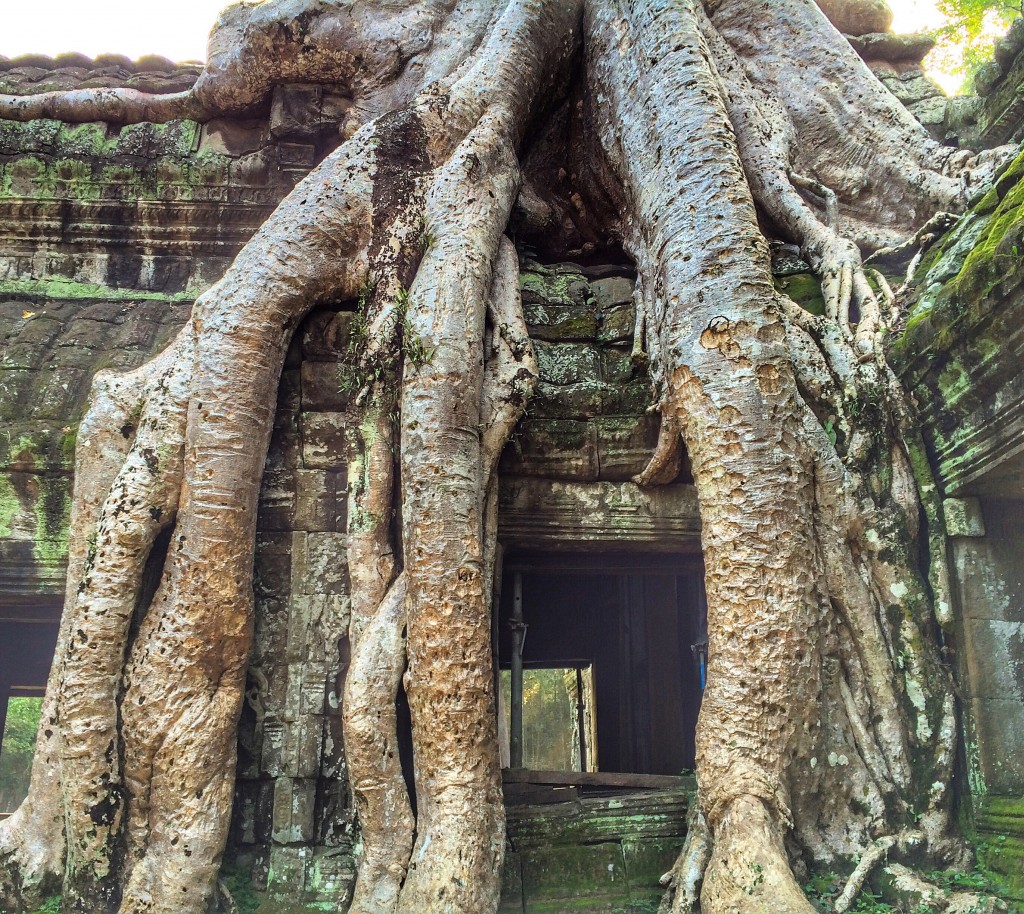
(66, 289)
(804, 289)
(9, 507)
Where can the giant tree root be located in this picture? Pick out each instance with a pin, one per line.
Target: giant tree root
(140, 789)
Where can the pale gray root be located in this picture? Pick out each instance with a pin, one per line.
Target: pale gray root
(375, 771)
(178, 763)
(924, 895)
(32, 840)
(683, 882)
(873, 855)
(142, 501)
(455, 865)
(888, 174)
(377, 55)
(799, 539)
(460, 826)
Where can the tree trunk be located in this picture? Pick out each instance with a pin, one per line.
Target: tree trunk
(825, 689)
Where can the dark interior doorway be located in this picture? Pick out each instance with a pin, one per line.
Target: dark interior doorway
(26, 652)
(637, 626)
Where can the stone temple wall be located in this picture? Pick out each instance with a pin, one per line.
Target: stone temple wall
(106, 237)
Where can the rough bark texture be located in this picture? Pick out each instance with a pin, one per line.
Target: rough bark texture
(828, 723)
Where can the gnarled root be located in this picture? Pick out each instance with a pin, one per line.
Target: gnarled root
(749, 869)
(683, 882)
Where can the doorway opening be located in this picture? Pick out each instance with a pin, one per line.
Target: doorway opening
(601, 663)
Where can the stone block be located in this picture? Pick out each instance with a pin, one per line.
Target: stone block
(271, 634)
(331, 877)
(285, 442)
(325, 335)
(612, 291)
(553, 285)
(277, 498)
(230, 137)
(322, 389)
(321, 500)
(632, 399)
(296, 753)
(647, 861)
(60, 392)
(986, 584)
(995, 658)
(295, 111)
(569, 401)
(559, 448)
(323, 440)
(559, 323)
(286, 877)
(568, 363)
(511, 884)
(617, 324)
(625, 445)
(332, 761)
(316, 623)
(294, 809)
(319, 565)
(556, 877)
(272, 570)
(618, 367)
(963, 517)
(999, 725)
(337, 817)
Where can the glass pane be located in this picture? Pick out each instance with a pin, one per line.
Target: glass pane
(19, 743)
(551, 717)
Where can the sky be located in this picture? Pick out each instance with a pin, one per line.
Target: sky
(178, 28)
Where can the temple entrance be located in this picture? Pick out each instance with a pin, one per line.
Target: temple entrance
(602, 662)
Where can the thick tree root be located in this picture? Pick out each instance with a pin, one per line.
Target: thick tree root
(683, 882)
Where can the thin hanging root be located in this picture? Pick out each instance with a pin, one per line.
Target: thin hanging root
(683, 881)
(667, 461)
(867, 339)
(827, 195)
(888, 295)
(934, 227)
(511, 371)
(872, 857)
(228, 904)
(382, 802)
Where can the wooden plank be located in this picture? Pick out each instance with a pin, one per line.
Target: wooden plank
(597, 779)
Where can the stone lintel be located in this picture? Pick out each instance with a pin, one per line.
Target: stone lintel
(618, 516)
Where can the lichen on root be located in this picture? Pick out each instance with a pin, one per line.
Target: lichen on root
(828, 723)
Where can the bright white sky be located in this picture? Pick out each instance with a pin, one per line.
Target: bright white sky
(178, 28)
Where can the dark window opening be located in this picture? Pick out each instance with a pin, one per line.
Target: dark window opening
(28, 636)
(638, 627)
(21, 721)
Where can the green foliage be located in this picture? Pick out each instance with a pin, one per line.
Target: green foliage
(822, 889)
(239, 883)
(19, 745)
(358, 372)
(968, 36)
(50, 906)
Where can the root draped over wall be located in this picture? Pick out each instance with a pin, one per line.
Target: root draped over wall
(828, 723)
